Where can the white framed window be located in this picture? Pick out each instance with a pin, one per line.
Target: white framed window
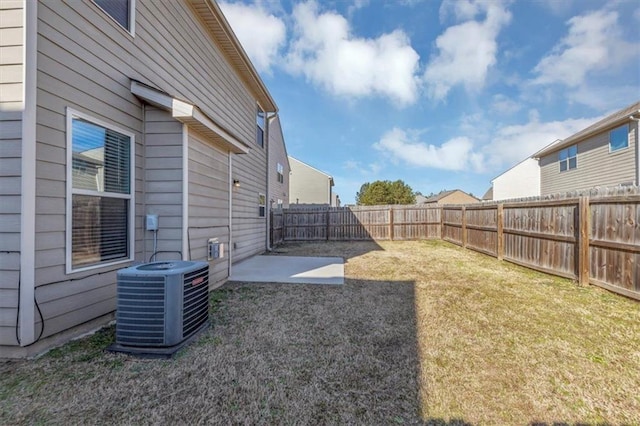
(262, 205)
(100, 200)
(121, 11)
(568, 158)
(619, 138)
(260, 126)
(280, 171)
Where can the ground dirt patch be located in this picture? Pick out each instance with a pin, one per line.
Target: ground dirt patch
(422, 332)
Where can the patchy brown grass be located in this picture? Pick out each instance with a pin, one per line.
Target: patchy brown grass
(422, 332)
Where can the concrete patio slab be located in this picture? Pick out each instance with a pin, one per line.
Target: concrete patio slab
(290, 269)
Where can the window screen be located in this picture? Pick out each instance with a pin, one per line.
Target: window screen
(117, 9)
(101, 194)
(618, 138)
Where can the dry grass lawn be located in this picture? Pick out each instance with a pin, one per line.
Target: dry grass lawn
(422, 332)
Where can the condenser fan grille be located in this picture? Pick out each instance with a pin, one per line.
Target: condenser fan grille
(141, 311)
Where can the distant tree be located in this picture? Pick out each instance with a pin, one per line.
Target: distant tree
(382, 192)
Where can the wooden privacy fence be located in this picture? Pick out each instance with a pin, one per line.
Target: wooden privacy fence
(589, 239)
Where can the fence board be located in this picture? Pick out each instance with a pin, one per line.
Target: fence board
(615, 246)
(598, 237)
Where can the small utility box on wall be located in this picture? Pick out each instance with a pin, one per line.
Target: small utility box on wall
(215, 249)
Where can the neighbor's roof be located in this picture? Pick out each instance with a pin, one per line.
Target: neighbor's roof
(608, 122)
(488, 196)
(220, 30)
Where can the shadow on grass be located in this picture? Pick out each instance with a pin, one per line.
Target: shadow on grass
(276, 353)
(344, 249)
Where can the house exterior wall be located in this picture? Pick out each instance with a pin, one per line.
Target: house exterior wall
(209, 199)
(249, 229)
(522, 180)
(458, 197)
(163, 177)
(308, 185)
(596, 166)
(11, 107)
(86, 62)
(278, 155)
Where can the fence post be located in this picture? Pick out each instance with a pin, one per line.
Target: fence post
(328, 221)
(500, 223)
(441, 222)
(464, 227)
(391, 223)
(271, 228)
(583, 241)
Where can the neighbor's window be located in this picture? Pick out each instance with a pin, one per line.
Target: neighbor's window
(568, 158)
(262, 205)
(618, 138)
(100, 201)
(260, 126)
(280, 171)
(122, 11)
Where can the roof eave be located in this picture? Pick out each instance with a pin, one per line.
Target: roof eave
(605, 124)
(221, 31)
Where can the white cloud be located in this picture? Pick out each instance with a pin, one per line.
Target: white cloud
(556, 7)
(328, 55)
(468, 50)
(454, 154)
(587, 48)
(511, 144)
(369, 169)
(262, 46)
(504, 105)
(357, 4)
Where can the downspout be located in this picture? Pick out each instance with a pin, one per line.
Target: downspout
(186, 255)
(267, 194)
(637, 120)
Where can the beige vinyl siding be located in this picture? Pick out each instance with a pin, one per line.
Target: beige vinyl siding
(278, 154)
(249, 230)
(11, 105)
(11, 55)
(308, 185)
(163, 183)
(596, 166)
(458, 197)
(208, 203)
(86, 62)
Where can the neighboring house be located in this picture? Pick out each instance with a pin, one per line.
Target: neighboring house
(279, 168)
(488, 196)
(603, 154)
(521, 180)
(111, 111)
(309, 185)
(455, 196)
(420, 199)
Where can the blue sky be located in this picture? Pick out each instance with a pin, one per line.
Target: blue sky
(441, 94)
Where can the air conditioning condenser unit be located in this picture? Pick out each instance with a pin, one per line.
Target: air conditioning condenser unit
(161, 306)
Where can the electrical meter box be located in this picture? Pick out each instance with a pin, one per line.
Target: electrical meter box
(215, 249)
(152, 222)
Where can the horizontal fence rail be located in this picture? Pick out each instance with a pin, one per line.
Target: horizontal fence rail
(589, 238)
